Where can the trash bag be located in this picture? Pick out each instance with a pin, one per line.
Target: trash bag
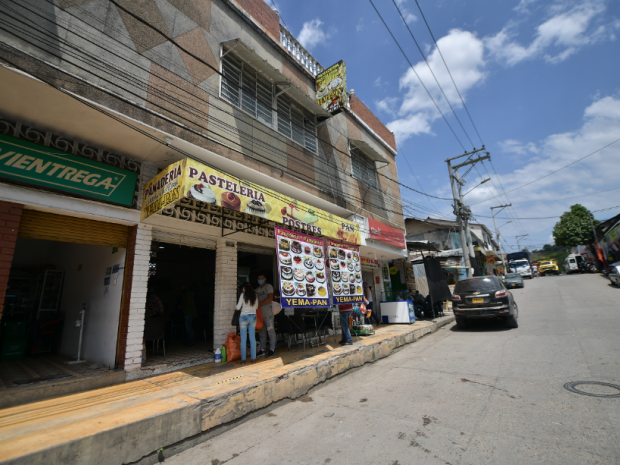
(233, 347)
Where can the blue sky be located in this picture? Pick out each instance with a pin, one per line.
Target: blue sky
(540, 79)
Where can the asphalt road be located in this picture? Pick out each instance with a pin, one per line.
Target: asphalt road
(485, 395)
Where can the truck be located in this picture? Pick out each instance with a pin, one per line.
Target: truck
(519, 262)
(548, 266)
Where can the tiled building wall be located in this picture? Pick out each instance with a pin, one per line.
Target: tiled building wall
(10, 216)
(225, 290)
(134, 298)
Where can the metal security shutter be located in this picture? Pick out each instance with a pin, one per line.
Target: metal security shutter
(181, 239)
(51, 227)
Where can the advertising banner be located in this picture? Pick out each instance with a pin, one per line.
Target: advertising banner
(370, 262)
(43, 166)
(190, 179)
(384, 233)
(331, 88)
(346, 272)
(301, 264)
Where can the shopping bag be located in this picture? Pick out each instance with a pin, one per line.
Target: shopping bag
(235, 318)
(259, 320)
(233, 347)
(275, 308)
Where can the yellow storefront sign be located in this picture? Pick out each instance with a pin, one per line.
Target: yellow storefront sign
(190, 179)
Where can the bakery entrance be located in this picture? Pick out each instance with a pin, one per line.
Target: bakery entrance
(178, 325)
(254, 261)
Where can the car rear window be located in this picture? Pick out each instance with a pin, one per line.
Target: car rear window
(481, 284)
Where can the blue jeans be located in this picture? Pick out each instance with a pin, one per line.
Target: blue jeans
(344, 322)
(189, 329)
(247, 323)
(373, 315)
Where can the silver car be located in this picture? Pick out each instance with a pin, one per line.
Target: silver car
(614, 274)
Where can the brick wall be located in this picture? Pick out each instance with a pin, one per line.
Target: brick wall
(134, 298)
(262, 15)
(10, 216)
(225, 290)
(361, 110)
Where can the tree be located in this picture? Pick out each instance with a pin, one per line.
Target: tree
(574, 227)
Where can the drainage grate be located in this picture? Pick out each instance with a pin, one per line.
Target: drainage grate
(572, 387)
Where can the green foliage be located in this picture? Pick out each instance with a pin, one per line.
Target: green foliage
(574, 227)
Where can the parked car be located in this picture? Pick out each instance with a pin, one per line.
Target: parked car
(548, 266)
(483, 297)
(614, 274)
(514, 280)
(572, 262)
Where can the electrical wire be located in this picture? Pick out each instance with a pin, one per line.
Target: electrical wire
(553, 172)
(448, 69)
(339, 180)
(431, 70)
(416, 73)
(550, 217)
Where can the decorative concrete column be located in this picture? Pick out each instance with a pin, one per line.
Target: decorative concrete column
(10, 216)
(134, 298)
(225, 290)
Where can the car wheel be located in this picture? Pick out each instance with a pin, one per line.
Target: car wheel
(462, 323)
(512, 322)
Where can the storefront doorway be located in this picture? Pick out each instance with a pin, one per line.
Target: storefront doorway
(180, 305)
(50, 283)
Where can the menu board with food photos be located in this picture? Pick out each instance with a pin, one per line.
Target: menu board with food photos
(301, 264)
(346, 272)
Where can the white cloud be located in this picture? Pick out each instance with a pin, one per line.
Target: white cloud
(312, 34)
(360, 26)
(516, 147)
(388, 105)
(557, 38)
(377, 82)
(464, 53)
(601, 125)
(523, 5)
(408, 15)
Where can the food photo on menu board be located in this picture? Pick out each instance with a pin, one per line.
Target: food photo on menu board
(346, 272)
(301, 263)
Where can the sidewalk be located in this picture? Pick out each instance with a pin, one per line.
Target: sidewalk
(126, 422)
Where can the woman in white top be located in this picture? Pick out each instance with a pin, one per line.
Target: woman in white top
(248, 302)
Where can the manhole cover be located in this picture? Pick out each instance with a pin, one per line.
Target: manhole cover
(594, 389)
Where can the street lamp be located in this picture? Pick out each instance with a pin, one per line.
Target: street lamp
(486, 180)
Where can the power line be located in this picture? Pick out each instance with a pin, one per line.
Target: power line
(431, 70)
(553, 172)
(566, 198)
(416, 73)
(208, 116)
(448, 69)
(550, 217)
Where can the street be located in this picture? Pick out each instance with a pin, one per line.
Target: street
(487, 394)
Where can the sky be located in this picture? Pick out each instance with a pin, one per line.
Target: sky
(540, 80)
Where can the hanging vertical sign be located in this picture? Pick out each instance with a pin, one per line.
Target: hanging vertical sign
(301, 264)
(346, 272)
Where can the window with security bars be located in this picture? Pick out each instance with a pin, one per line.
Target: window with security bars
(296, 124)
(363, 167)
(243, 87)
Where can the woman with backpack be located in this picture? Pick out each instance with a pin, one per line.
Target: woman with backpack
(248, 303)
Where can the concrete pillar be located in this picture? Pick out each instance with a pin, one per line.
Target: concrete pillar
(225, 289)
(10, 216)
(134, 298)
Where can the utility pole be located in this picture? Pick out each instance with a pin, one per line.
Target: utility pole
(499, 241)
(517, 238)
(462, 211)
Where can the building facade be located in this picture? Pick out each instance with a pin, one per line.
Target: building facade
(123, 92)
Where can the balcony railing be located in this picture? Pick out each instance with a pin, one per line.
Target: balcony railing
(298, 52)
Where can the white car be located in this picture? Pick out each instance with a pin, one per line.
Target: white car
(614, 274)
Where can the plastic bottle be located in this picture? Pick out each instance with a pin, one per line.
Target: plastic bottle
(218, 355)
(224, 355)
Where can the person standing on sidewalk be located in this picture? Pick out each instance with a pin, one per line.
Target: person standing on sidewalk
(248, 303)
(265, 297)
(369, 306)
(345, 313)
